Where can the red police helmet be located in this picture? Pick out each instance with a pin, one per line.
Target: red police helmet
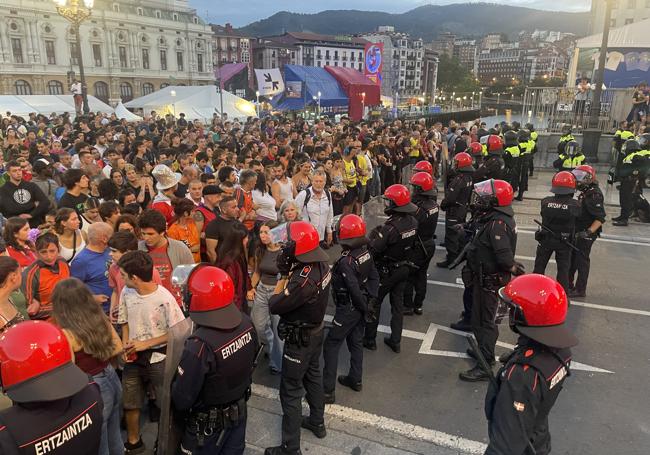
(538, 309)
(399, 199)
(423, 166)
(585, 175)
(494, 144)
(211, 293)
(476, 149)
(36, 363)
(423, 180)
(563, 182)
(503, 192)
(351, 226)
(307, 242)
(463, 160)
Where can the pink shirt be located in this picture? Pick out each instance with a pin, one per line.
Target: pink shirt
(116, 282)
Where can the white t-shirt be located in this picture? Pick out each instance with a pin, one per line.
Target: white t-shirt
(148, 316)
(266, 205)
(76, 88)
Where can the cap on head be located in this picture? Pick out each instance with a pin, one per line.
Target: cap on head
(36, 363)
(563, 182)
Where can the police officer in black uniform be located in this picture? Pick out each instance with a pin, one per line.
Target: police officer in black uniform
(213, 379)
(425, 194)
(300, 299)
(56, 410)
(456, 205)
(588, 227)
(512, 159)
(493, 167)
(629, 177)
(355, 283)
(559, 213)
(519, 401)
(392, 246)
(491, 261)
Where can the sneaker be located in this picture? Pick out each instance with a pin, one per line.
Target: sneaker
(349, 382)
(475, 374)
(394, 346)
(319, 430)
(132, 449)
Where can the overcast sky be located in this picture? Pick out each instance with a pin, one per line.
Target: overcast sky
(240, 13)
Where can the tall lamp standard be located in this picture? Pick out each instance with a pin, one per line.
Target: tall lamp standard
(319, 96)
(173, 95)
(363, 104)
(257, 106)
(76, 12)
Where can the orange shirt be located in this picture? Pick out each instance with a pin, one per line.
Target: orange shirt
(39, 281)
(188, 234)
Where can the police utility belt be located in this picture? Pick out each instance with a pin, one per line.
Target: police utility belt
(297, 333)
(388, 265)
(542, 236)
(217, 419)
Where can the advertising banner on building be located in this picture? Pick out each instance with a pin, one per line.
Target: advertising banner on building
(374, 62)
(269, 82)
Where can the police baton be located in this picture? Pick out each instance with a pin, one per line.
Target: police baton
(485, 366)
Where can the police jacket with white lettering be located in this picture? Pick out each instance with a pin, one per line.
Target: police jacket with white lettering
(559, 213)
(305, 297)
(517, 408)
(68, 426)
(457, 197)
(354, 274)
(427, 216)
(395, 240)
(216, 367)
(592, 207)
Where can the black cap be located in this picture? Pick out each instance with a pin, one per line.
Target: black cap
(212, 189)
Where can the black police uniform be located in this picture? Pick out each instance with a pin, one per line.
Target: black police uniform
(455, 205)
(425, 247)
(70, 425)
(592, 208)
(391, 246)
(493, 167)
(559, 213)
(490, 260)
(518, 405)
(512, 159)
(212, 385)
(301, 308)
(355, 281)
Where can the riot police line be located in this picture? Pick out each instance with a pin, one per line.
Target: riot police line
(212, 354)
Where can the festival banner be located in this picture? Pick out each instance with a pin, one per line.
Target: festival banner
(374, 62)
(269, 82)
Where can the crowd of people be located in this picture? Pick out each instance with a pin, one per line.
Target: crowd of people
(98, 214)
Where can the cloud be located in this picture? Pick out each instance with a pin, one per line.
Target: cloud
(232, 11)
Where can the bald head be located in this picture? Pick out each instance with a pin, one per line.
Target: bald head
(99, 234)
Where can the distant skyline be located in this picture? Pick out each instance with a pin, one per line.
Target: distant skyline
(240, 13)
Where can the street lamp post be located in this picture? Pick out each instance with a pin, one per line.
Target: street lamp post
(319, 96)
(173, 95)
(363, 104)
(591, 134)
(257, 106)
(76, 12)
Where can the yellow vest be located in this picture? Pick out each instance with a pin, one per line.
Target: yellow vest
(513, 151)
(628, 159)
(363, 166)
(533, 136)
(415, 148)
(350, 172)
(572, 163)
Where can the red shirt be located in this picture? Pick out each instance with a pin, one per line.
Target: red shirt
(163, 265)
(25, 258)
(165, 208)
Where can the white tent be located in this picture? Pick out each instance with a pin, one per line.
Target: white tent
(123, 113)
(633, 35)
(196, 102)
(24, 105)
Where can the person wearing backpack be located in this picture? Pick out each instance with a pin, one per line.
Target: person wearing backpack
(315, 205)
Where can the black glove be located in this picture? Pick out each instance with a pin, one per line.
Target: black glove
(285, 260)
(582, 235)
(373, 310)
(518, 269)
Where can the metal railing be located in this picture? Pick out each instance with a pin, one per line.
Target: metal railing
(550, 108)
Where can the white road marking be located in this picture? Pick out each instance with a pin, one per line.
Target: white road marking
(399, 427)
(600, 239)
(521, 258)
(459, 285)
(430, 336)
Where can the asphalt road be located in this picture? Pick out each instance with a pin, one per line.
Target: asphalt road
(603, 407)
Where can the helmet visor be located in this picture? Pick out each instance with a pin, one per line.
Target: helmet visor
(581, 176)
(485, 188)
(507, 306)
(280, 234)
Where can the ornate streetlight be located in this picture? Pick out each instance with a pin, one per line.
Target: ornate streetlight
(76, 12)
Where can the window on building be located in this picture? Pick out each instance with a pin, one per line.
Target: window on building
(612, 23)
(126, 91)
(122, 54)
(195, 20)
(360, 55)
(345, 65)
(245, 57)
(101, 91)
(336, 63)
(163, 59)
(145, 59)
(147, 88)
(360, 66)
(74, 53)
(163, 85)
(50, 52)
(140, 12)
(116, 7)
(199, 62)
(158, 15)
(55, 88)
(318, 64)
(629, 21)
(175, 17)
(97, 54)
(17, 50)
(630, 4)
(179, 61)
(327, 63)
(22, 87)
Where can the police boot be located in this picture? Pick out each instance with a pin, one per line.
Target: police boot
(470, 352)
(408, 311)
(418, 311)
(475, 374)
(394, 346)
(281, 450)
(444, 264)
(371, 345)
(347, 381)
(622, 222)
(329, 398)
(461, 325)
(319, 430)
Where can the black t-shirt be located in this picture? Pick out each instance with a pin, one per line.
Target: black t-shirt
(147, 196)
(218, 228)
(73, 202)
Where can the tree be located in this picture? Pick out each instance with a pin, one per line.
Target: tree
(454, 77)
